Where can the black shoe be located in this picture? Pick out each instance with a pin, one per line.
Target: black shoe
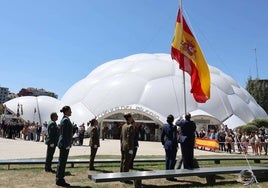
(63, 184)
(50, 170)
(92, 168)
(171, 179)
(189, 168)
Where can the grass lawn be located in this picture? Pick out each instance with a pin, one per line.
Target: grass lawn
(22, 176)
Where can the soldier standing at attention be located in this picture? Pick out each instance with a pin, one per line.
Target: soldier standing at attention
(127, 144)
(51, 140)
(64, 144)
(136, 144)
(94, 142)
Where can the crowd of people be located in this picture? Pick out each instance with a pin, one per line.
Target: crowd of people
(33, 131)
(231, 141)
(26, 130)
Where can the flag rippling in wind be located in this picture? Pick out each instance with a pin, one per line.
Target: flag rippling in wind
(186, 51)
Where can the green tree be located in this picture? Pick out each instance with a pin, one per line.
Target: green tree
(259, 122)
(254, 125)
(259, 91)
(249, 128)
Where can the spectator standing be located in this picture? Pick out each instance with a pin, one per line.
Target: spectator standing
(258, 142)
(221, 139)
(170, 143)
(81, 131)
(244, 142)
(265, 144)
(75, 141)
(228, 142)
(38, 131)
(213, 134)
(64, 144)
(188, 128)
(252, 142)
(30, 132)
(104, 132)
(148, 133)
(44, 131)
(142, 132)
(33, 131)
(232, 134)
(110, 131)
(51, 140)
(94, 142)
(238, 136)
(25, 130)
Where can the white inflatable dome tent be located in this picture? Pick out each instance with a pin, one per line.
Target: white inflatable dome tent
(30, 108)
(152, 85)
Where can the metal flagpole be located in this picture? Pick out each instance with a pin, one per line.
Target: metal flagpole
(39, 115)
(256, 61)
(183, 72)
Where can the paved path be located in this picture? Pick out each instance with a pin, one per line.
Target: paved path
(21, 149)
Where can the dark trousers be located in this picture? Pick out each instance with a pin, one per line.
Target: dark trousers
(49, 157)
(222, 146)
(38, 137)
(133, 157)
(265, 146)
(170, 158)
(229, 148)
(125, 161)
(93, 152)
(81, 138)
(62, 164)
(187, 151)
(148, 136)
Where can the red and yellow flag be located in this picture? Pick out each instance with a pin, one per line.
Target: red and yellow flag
(186, 51)
(208, 143)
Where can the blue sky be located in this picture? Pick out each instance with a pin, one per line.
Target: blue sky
(53, 44)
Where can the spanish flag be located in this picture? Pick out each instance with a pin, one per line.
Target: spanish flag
(186, 51)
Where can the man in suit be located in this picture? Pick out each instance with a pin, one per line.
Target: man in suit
(127, 143)
(64, 144)
(51, 140)
(170, 143)
(187, 130)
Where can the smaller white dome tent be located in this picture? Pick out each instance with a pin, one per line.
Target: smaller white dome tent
(32, 108)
